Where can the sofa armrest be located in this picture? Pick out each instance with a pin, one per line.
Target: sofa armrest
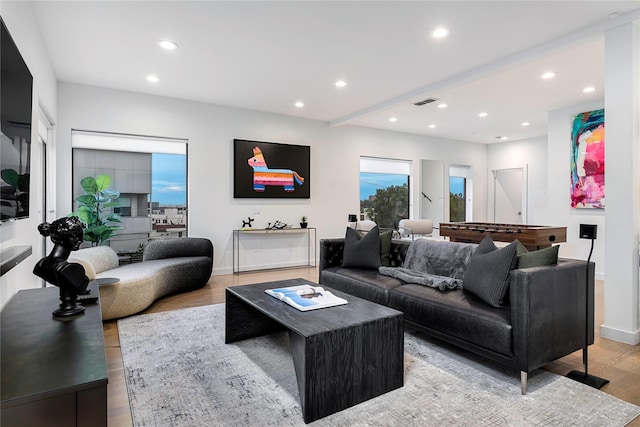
(95, 260)
(180, 247)
(548, 311)
(331, 251)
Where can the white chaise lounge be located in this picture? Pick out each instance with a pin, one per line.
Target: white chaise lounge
(169, 266)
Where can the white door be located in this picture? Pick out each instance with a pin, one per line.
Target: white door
(508, 196)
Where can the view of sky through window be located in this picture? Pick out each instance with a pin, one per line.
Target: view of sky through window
(456, 185)
(169, 178)
(370, 182)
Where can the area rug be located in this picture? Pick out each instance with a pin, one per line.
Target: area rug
(179, 372)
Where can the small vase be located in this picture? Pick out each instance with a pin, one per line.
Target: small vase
(303, 225)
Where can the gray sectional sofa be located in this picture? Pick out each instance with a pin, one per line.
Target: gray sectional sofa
(169, 266)
(541, 317)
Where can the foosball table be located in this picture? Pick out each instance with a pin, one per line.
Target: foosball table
(533, 237)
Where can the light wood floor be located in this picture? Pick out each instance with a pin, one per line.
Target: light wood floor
(617, 362)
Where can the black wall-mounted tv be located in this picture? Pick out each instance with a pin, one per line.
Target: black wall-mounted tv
(16, 88)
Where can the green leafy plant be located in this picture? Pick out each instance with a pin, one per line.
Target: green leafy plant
(100, 227)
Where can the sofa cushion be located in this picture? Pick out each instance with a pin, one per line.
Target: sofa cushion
(487, 275)
(439, 258)
(455, 313)
(528, 259)
(361, 251)
(385, 245)
(363, 283)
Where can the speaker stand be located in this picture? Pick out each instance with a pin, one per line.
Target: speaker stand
(584, 377)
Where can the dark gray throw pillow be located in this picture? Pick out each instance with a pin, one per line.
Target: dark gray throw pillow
(487, 275)
(361, 251)
(385, 245)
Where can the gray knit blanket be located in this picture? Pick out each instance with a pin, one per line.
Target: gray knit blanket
(437, 264)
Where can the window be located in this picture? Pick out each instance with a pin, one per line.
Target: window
(457, 197)
(460, 194)
(149, 173)
(384, 190)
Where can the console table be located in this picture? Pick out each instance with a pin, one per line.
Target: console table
(270, 234)
(53, 372)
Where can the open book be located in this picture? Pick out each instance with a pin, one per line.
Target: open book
(306, 297)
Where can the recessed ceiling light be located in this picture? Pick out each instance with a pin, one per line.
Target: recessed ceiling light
(341, 83)
(299, 104)
(503, 138)
(432, 126)
(548, 75)
(589, 89)
(483, 114)
(167, 44)
(443, 105)
(613, 15)
(393, 119)
(439, 33)
(525, 124)
(152, 78)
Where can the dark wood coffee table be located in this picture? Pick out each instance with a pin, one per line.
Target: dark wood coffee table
(342, 355)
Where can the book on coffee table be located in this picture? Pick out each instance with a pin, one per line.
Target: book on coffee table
(305, 297)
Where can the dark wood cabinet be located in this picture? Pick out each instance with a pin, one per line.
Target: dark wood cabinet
(54, 372)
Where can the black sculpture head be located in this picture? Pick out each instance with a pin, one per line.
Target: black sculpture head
(66, 231)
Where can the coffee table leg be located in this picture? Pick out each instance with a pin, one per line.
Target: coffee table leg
(341, 368)
(243, 321)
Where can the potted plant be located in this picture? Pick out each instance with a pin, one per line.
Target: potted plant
(99, 227)
(303, 223)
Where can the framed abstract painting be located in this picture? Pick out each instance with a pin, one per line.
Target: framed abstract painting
(270, 170)
(587, 160)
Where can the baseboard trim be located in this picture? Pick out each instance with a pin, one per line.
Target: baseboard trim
(626, 337)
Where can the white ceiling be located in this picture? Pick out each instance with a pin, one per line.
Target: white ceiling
(266, 55)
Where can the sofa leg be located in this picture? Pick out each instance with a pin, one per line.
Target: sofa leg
(523, 382)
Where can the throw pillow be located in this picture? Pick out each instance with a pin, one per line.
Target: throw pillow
(546, 256)
(487, 275)
(385, 246)
(361, 251)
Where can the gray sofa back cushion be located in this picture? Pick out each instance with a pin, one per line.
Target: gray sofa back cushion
(439, 258)
(180, 247)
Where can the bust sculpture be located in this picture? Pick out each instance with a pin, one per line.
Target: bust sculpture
(66, 235)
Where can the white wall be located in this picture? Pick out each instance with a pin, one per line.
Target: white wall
(21, 23)
(531, 153)
(210, 130)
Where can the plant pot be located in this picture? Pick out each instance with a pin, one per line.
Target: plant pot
(303, 225)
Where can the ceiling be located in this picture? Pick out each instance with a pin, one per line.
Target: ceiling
(267, 55)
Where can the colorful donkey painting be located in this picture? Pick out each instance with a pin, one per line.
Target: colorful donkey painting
(263, 176)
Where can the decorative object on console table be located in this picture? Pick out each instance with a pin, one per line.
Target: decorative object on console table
(246, 225)
(303, 222)
(587, 231)
(66, 234)
(532, 237)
